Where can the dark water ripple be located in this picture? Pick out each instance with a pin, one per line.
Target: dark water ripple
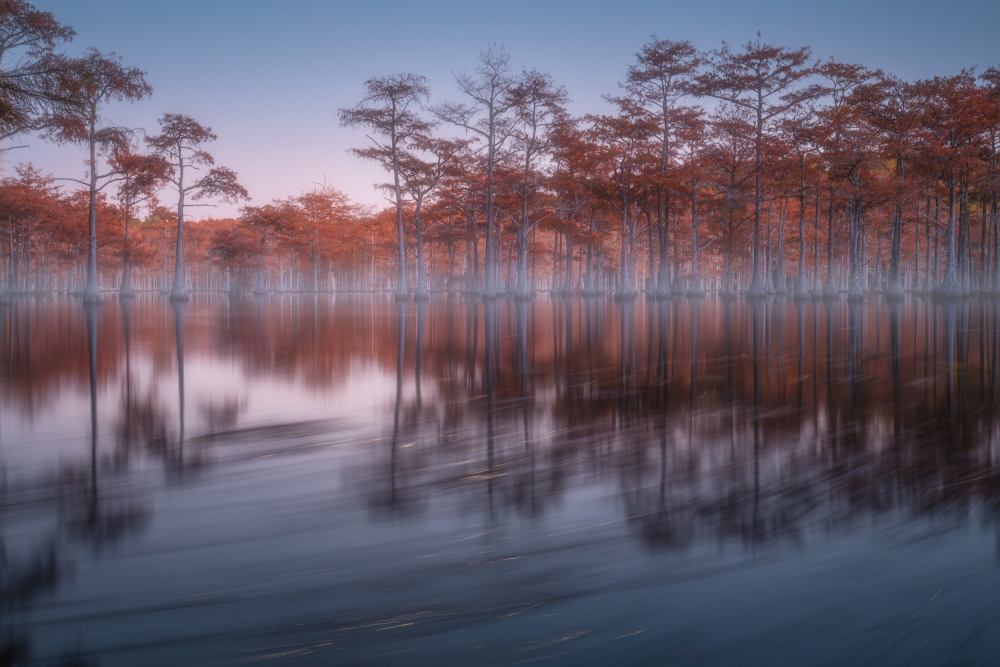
(346, 480)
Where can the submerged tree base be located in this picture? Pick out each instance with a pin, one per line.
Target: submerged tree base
(894, 296)
(92, 297)
(758, 290)
(942, 294)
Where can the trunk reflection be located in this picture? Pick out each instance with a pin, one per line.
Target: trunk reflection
(497, 456)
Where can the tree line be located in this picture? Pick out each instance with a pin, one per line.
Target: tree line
(750, 170)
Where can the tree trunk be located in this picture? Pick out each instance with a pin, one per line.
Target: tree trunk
(91, 290)
(626, 288)
(816, 288)
(421, 290)
(590, 283)
(995, 222)
(931, 277)
(490, 288)
(782, 284)
(522, 288)
(728, 289)
(830, 288)
(854, 287)
(472, 254)
(950, 285)
(179, 290)
(663, 232)
(757, 283)
(125, 289)
(651, 269)
(568, 280)
(556, 285)
(695, 287)
(800, 283)
(894, 288)
(964, 245)
(663, 208)
(402, 289)
(915, 283)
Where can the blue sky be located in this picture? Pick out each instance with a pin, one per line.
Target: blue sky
(269, 77)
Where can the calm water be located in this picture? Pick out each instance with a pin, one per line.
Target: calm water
(327, 480)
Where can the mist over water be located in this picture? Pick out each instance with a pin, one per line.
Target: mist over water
(348, 479)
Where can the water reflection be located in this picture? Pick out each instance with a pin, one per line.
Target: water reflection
(494, 434)
(101, 519)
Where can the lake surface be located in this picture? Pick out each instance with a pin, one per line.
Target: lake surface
(347, 480)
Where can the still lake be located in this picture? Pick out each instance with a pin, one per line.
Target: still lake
(341, 479)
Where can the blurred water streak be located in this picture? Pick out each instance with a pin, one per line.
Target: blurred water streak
(327, 479)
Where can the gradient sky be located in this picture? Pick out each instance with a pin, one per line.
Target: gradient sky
(269, 77)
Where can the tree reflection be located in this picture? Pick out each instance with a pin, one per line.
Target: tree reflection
(178, 308)
(753, 463)
(490, 352)
(527, 491)
(682, 411)
(421, 306)
(101, 520)
(88, 512)
(757, 344)
(394, 501)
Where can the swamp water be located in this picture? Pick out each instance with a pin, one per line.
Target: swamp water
(347, 480)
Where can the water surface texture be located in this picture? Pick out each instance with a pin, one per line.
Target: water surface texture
(348, 480)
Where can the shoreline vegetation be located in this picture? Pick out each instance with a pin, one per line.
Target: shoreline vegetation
(742, 171)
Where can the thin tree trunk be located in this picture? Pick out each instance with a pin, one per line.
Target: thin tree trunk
(125, 287)
(695, 287)
(950, 285)
(831, 274)
(179, 290)
(91, 290)
(800, 282)
(522, 288)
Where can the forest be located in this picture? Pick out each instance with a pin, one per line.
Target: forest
(749, 170)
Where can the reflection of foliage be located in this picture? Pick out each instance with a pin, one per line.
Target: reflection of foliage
(104, 523)
(699, 433)
(23, 582)
(222, 413)
(719, 423)
(695, 459)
